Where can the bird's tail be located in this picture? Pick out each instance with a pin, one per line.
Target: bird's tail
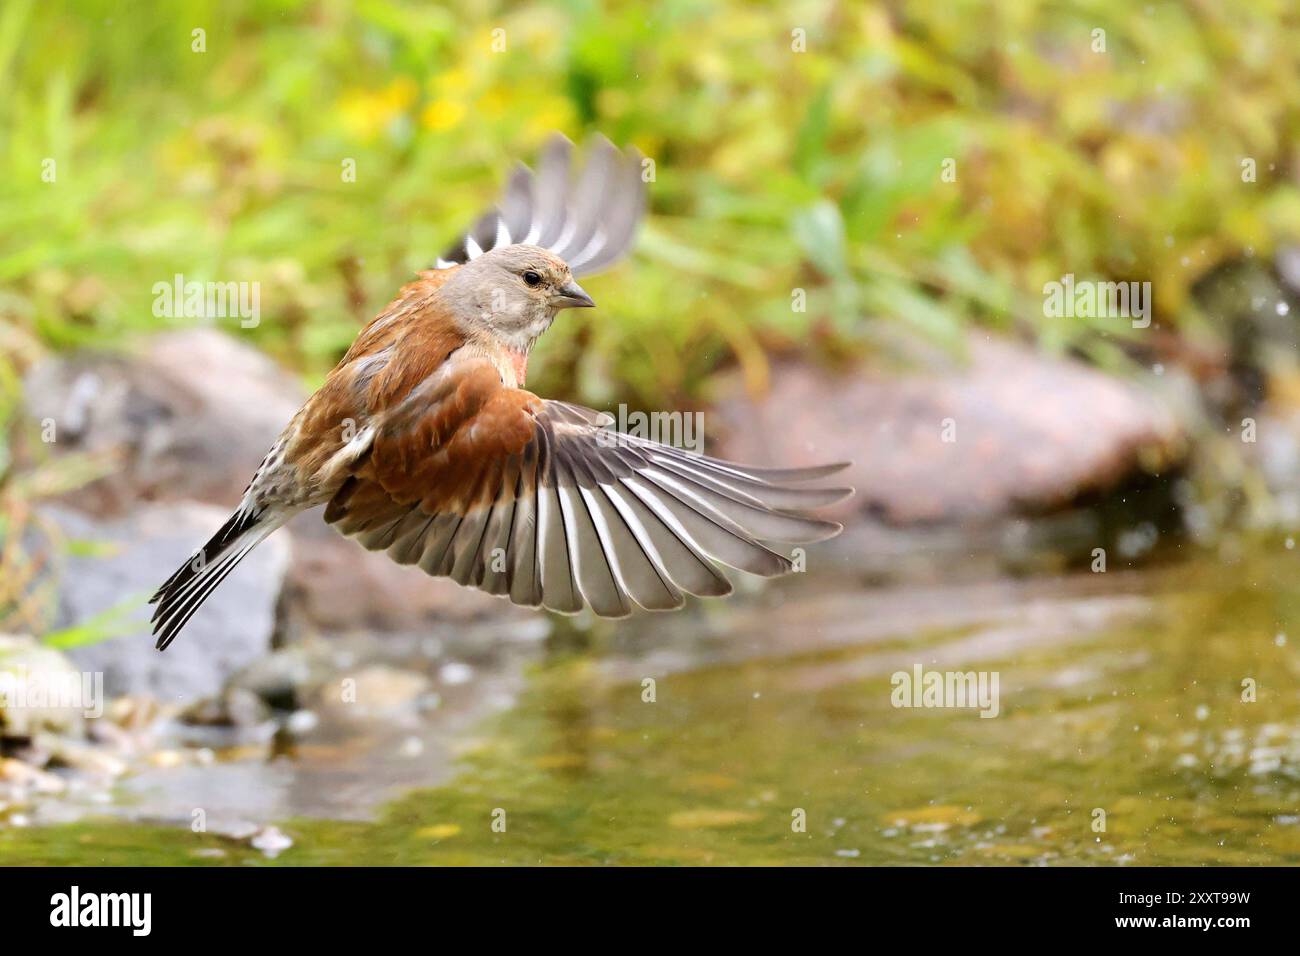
(185, 591)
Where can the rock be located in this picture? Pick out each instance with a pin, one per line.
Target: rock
(238, 830)
(134, 713)
(244, 708)
(1032, 433)
(375, 691)
(233, 628)
(190, 415)
(166, 759)
(236, 707)
(108, 734)
(337, 585)
(280, 679)
(19, 776)
(92, 760)
(40, 690)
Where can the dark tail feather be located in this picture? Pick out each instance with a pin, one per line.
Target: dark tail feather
(191, 584)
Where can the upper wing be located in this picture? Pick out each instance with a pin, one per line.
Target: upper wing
(588, 221)
(541, 502)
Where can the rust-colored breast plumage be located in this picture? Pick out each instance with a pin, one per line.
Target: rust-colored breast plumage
(393, 355)
(445, 450)
(432, 420)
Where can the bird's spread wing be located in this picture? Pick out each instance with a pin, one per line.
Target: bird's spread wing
(587, 220)
(539, 500)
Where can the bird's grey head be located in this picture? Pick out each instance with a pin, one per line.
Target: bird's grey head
(514, 292)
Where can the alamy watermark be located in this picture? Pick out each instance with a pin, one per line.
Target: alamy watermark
(957, 689)
(1086, 299)
(180, 299)
(21, 689)
(133, 911)
(678, 429)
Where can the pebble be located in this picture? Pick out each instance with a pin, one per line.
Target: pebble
(133, 712)
(376, 691)
(109, 734)
(29, 777)
(166, 758)
(302, 722)
(455, 673)
(271, 841)
(244, 708)
(89, 759)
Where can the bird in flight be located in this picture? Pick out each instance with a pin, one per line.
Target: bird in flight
(423, 443)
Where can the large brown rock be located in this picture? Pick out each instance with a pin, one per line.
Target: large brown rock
(189, 415)
(334, 584)
(1010, 431)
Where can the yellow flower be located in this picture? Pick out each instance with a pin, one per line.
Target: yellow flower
(455, 80)
(367, 112)
(443, 114)
(493, 103)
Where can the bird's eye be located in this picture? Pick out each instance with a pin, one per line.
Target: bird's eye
(532, 278)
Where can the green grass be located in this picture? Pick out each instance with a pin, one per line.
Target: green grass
(776, 170)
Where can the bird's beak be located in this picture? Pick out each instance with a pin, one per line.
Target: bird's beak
(572, 296)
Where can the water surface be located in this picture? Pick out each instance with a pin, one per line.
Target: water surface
(1120, 693)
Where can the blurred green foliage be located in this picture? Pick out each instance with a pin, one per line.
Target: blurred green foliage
(776, 169)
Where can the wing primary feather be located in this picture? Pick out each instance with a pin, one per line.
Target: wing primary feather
(755, 472)
(460, 558)
(586, 549)
(559, 590)
(764, 493)
(496, 538)
(686, 567)
(712, 534)
(634, 566)
(408, 547)
(524, 578)
(436, 544)
(760, 523)
(636, 569)
(489, 540)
